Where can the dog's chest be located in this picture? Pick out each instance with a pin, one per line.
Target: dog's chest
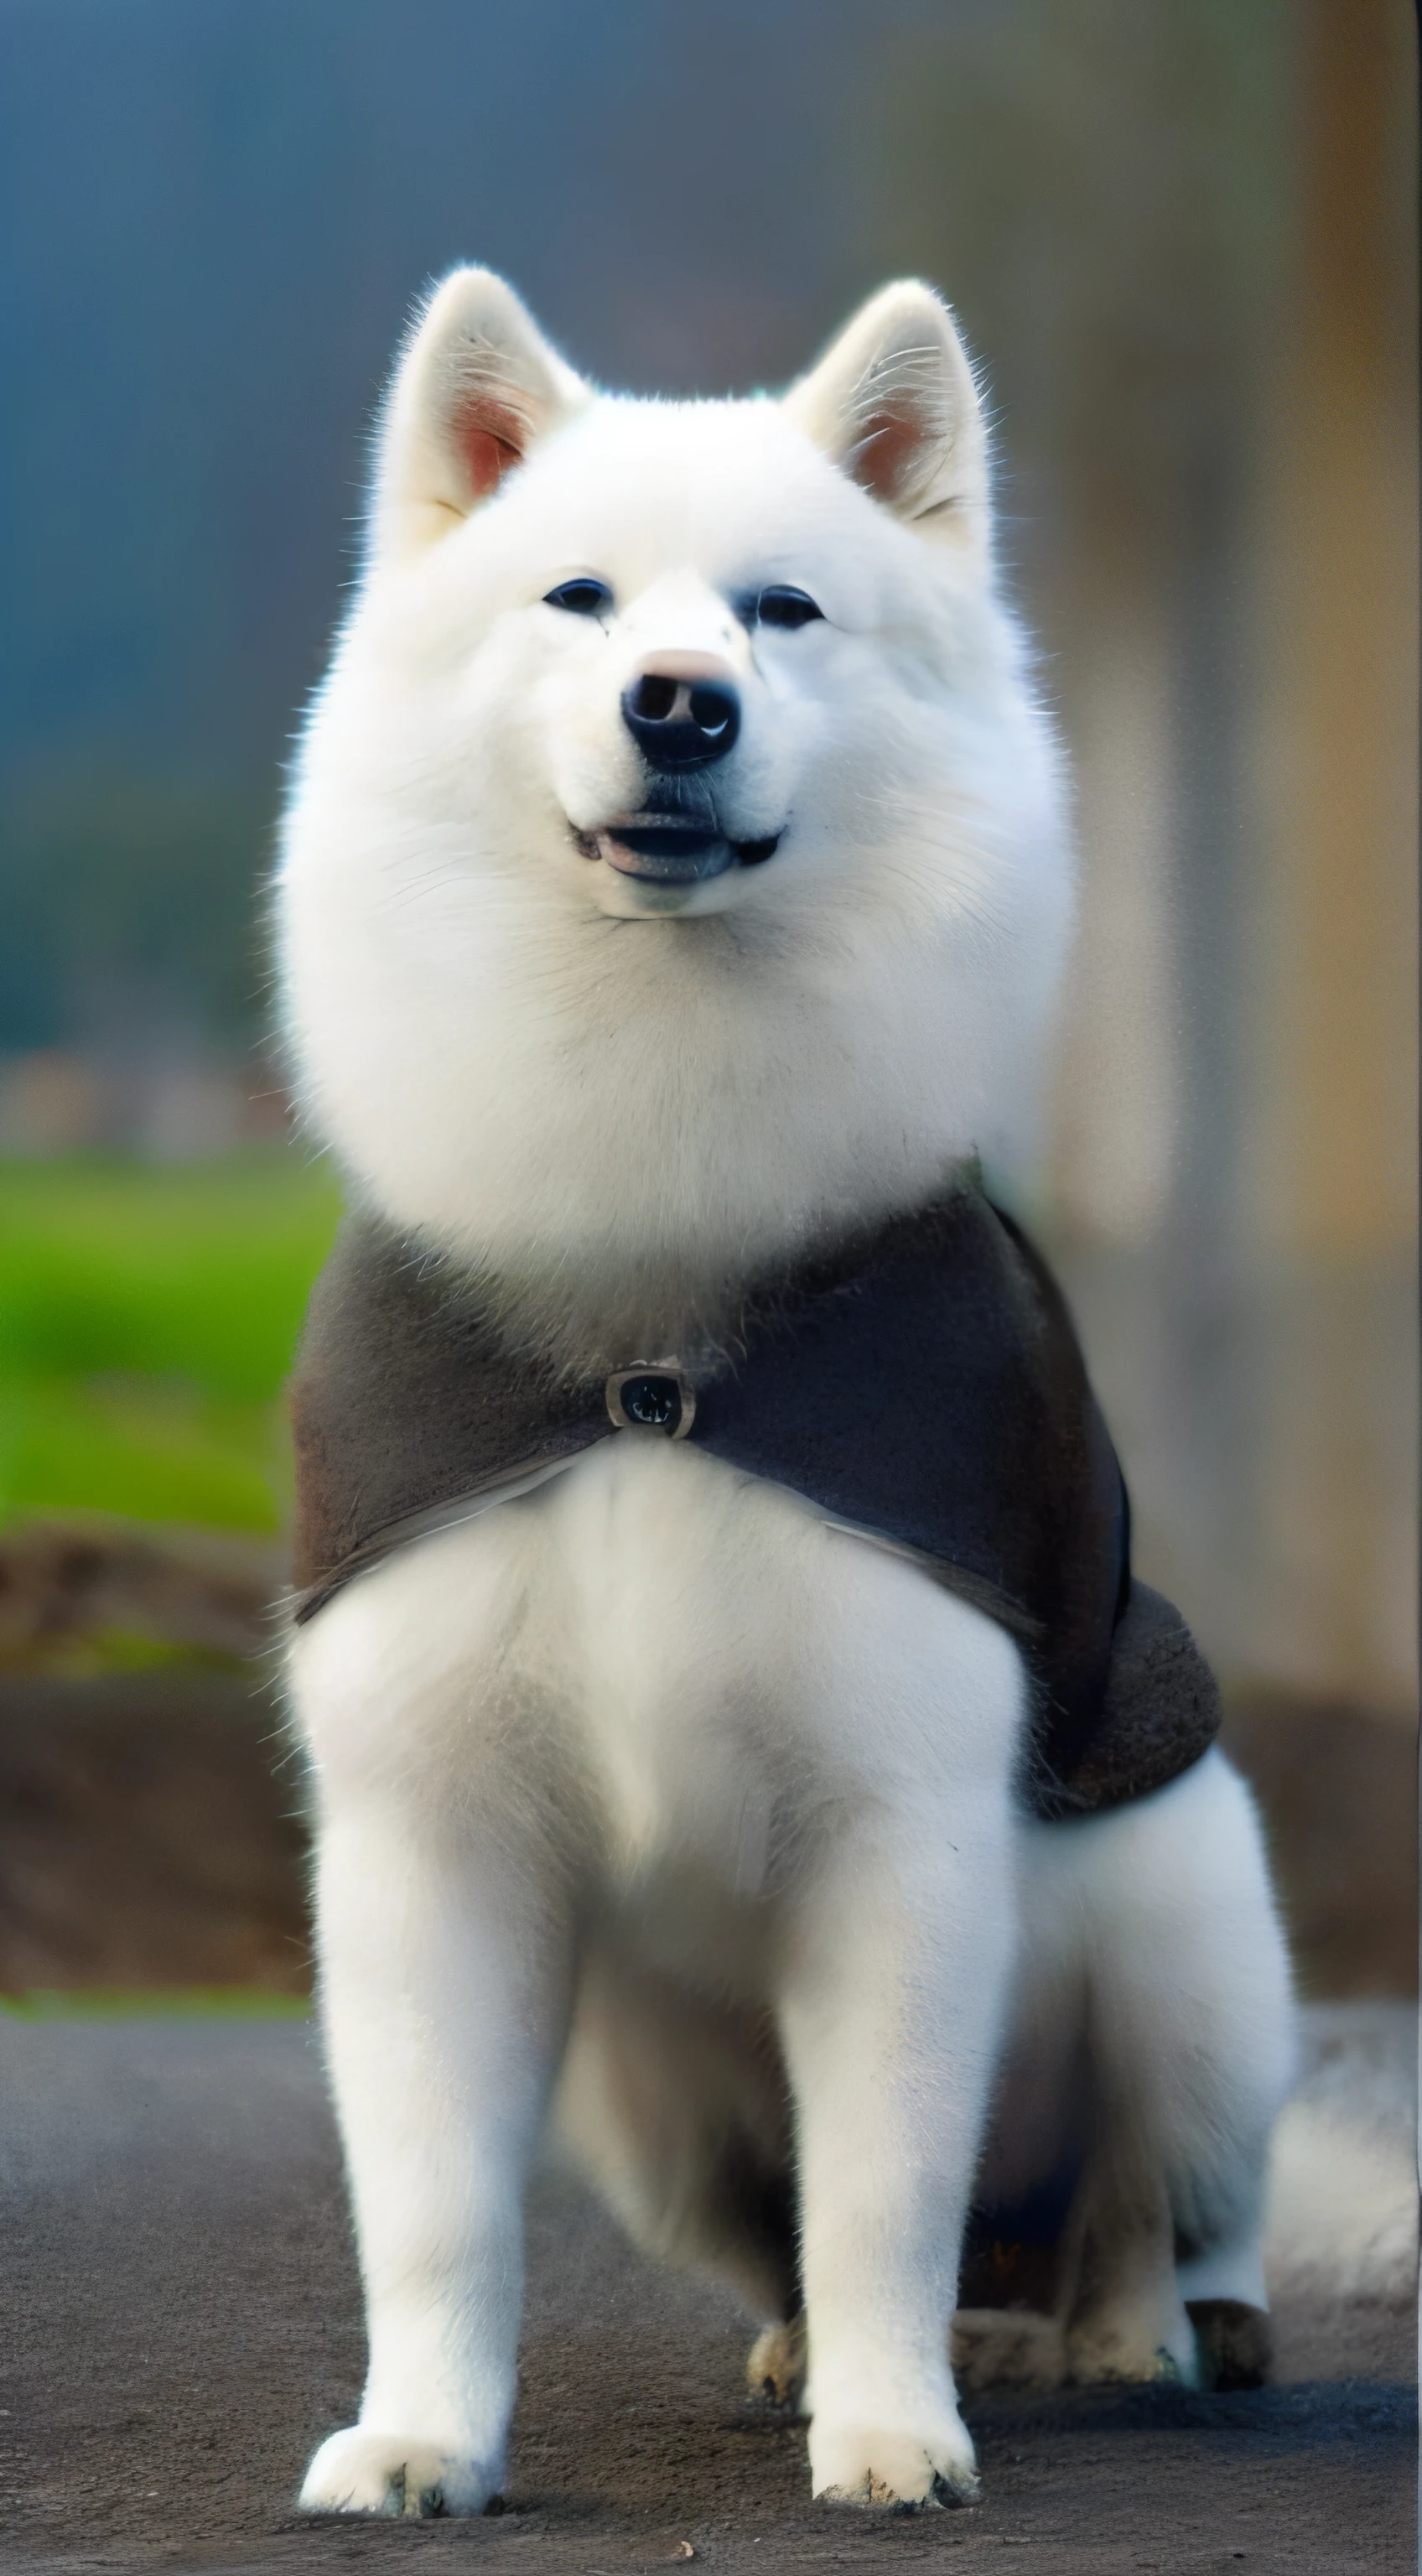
(694, 1669)
(712, 1645)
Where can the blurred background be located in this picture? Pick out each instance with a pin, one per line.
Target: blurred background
(1181, 240)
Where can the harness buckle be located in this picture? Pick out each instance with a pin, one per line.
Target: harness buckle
(653, 1395)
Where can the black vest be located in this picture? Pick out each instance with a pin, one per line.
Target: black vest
(925, 1388)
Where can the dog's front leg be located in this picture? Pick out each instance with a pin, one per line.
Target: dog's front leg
(890, 2015)
(443, 1972)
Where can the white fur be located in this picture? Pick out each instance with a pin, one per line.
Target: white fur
(1341, 2213)
(604, 1113)
(647, 1802)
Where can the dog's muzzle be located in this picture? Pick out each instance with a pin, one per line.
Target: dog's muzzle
(674, 849)
(683, 712)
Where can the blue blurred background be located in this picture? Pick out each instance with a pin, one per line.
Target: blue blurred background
(216, 219)
(1182, 242)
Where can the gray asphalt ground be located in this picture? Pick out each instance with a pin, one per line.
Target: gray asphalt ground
(182, 2323)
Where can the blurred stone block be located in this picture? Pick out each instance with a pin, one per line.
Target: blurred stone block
(150, 1834)
(67, 1584)
(1339, 1794)
(53, 1102)
(163, 1105)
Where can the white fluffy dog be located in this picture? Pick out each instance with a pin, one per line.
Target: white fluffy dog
(653, 1802)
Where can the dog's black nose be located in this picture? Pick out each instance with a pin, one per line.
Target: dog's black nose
(680, 723)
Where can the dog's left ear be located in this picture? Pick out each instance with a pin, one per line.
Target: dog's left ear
(893, 402)
(475, 385)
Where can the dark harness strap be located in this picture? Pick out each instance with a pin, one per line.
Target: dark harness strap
(925, 1388)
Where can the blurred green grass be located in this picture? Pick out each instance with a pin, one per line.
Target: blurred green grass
(148, 1317)
(155, 2003)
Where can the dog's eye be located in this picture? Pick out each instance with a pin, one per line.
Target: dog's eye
(582, 598)
(783, 606)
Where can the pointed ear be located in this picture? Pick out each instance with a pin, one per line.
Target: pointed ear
(476, 384)
(893, 402)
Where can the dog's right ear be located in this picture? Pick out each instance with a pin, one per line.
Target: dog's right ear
(476, 384)
(893, 403)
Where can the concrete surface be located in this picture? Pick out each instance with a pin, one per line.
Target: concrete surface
(182, 2323)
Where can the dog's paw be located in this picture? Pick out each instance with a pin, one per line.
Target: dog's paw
(366, 2471)
(1235, 2342)
(892, 2469)
(775, 2364)
(1006, 2348)
(1117, 2352)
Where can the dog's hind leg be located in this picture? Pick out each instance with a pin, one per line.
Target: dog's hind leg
(1124, 2318)
(676, 2108)
(1190, 2034)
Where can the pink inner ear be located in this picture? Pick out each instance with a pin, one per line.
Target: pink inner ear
(881, 458)
(490, 439)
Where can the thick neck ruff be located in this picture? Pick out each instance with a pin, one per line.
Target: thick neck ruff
(926, 1391)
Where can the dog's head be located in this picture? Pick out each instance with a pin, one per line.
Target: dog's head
(674, 616)
(660, 731)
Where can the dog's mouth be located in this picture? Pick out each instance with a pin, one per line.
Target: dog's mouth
(673, 849)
